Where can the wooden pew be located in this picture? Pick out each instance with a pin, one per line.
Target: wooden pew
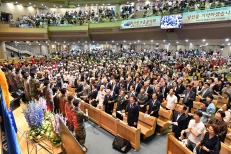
(175, 147)
(162, 120)
(113, 125)
(147, 125)
(120, 128)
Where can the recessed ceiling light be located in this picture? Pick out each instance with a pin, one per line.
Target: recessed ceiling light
(135, 42)
(106, 42)
(124, 41)
(16, 2)
(93, 41)
(226, 39)
(34, 5)
(41, 4)
(186, 40)
(54, 5)
(96, 4)
(103, 4)
(207, 44)
(61, 6)
(138, 41)
(177, 42)
(163, 40)
(78, 5)
(112, 41)
(39, 44)
(203, 40)
(30, 3)
(68, 44)
(151, 40)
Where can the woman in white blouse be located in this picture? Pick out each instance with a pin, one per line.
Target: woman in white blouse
(226, 108)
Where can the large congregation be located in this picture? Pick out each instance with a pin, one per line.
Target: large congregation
(133, 83)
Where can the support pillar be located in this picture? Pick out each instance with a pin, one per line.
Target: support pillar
(117, 9)
(2, 50)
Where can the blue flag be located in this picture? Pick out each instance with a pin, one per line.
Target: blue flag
(9, 139)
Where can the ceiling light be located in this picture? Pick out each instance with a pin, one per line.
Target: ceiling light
(228, 43)
(117, 44)
(78, 5)
(93, 41)
(186, 40)
(151, 40)
(163, 40)
(124, 41)
(30, 3)
(68, 44)
(138, 41)
(226, 39)
(177, 42)
(144, 43)
(112, 41)
(103, 4)
(135, 42)
(207, 44)
(203, 40)
(73, 42)
(41, 4)
(54, 5)
(34, 5)
(61, 6)
(39, 44)
(106, 42)
(48, 44)
(16, 2)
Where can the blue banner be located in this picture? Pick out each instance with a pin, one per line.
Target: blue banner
(10, 143)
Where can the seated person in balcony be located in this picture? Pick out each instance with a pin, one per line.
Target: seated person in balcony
(227, 89)
(195, 130)
(217, 88)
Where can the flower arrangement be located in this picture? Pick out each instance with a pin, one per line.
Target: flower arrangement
(42, 123)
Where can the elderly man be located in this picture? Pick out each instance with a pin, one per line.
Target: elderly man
(108, 102)
(100, 97)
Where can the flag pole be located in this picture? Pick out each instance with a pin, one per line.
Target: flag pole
(1, 149)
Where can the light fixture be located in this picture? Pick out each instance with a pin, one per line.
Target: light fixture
(16, 2)
(228, 43)
(93, 41)
(124, 41)
(135, 42)
(207, 44)
(186, 40)
(163, 40)
(39, 44)
(177, 42)
(48, 44)
(203, 40)
(103, 4)
(106, 42)
(68, 44)
(138, 41)
(54, 5)
(112, 41)
(78, 5)
(61, 6)
(41, 4)
(34, 5)
(227, 39)
(30, 3)
(73, 42)
(151, 40)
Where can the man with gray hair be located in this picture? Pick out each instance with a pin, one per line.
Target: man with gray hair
(108, 102)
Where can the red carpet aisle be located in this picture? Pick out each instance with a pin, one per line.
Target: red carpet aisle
(23, 126)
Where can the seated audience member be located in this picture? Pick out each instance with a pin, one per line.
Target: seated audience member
(179, 121)
(222, 125)
(211, 107)
(199, 87)
(211, 143)
(195, 130)
(171, 100)
(154, 106)
(217, 89)
(227, 89)
(206, 91)
(226, 108)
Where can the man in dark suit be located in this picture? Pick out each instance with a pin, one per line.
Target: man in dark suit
(142, 99)
(93, 95)
(115, 89)
(164, 89)
(138, 85)
(179, 121)
(107, 84)
(133, 112)
(179, 90)
(217, 88)
(159, 94)
(79, 87)
(154, 106)
(205, 92)
(108, 102)
(148, 90)
(128, 83)
(189, 97)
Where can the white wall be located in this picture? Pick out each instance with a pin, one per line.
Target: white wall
(17, 10)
